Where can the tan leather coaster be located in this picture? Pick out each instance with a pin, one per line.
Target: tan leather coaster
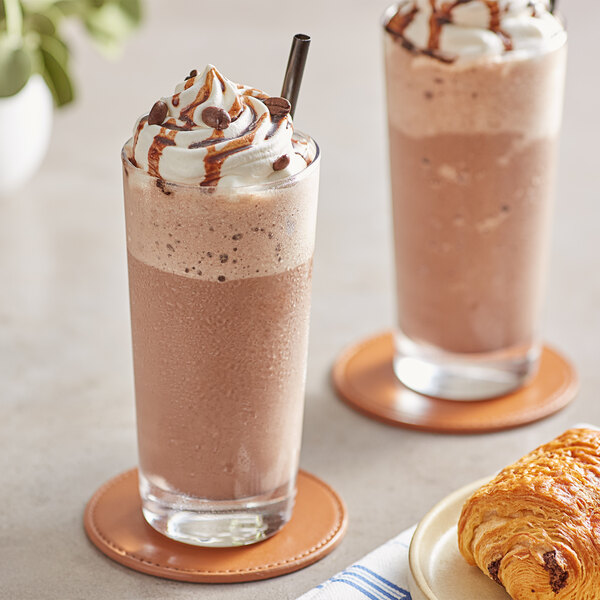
(364, 378)
(114, 522)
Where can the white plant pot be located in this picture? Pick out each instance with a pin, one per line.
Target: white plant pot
(25, 125)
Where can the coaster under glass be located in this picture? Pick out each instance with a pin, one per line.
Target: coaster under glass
(364, 378)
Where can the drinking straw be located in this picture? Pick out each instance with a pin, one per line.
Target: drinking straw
(295, 69)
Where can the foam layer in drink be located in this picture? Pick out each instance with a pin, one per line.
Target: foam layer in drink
(220, 235)
(430, 97)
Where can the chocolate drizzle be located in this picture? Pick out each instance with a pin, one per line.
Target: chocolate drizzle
(171, 123)
(203, 93)
(275, 125)
(221, 80)
(211, 141)
(494, 25)
(139, 128)
(399, 22)
(441, 14)
(159, 143)
(215, 157)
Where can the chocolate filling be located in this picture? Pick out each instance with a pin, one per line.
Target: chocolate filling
(558, 575)
(493, 569)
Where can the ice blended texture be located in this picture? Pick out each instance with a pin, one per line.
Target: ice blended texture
(474, 90)
(220, 233)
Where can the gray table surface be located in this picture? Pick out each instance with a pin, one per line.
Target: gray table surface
(66, 402)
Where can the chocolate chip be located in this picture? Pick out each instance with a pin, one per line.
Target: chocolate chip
(193, 73)
(221, 278)
(160, 184)
(236, 236)
(278, 107)
(216, 117)
(223, 258)
(281, 163)
(158, 113)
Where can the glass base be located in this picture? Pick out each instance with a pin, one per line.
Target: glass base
(434, 372)
(215, 523)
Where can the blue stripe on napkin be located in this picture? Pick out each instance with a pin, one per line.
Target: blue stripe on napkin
(381, 575)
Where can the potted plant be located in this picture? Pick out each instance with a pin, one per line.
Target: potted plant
(34, 70)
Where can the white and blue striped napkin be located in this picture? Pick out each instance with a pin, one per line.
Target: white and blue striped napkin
(380, 575)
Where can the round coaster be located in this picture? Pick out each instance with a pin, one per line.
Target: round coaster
(114, 522)
(364, 378)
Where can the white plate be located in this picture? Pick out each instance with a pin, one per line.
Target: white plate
(438, 570)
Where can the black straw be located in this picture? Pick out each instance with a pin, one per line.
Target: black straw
(553, 5)
(295, 69)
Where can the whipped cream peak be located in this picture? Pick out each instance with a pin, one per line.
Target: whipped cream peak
(458, 29)
(212, 131)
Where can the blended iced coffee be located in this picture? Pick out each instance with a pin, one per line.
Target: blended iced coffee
(220, 201)
(474, 93)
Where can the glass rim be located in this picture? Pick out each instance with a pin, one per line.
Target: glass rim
(211, 189)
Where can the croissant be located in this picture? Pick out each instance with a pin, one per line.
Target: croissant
(535, 528)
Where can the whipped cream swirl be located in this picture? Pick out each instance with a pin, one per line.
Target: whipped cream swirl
(212, 131)
(455, 29)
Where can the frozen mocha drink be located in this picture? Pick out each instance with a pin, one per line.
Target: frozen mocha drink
(474, 90)
(220, 200)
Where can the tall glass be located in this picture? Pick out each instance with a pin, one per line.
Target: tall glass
(220, 284)
(472, 153)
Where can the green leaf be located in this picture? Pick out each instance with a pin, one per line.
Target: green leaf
(33, 44)
(71, 8)
(55, 73)
(132, 8)
(55, 46)
(16, 65)
(40, 22)
(109, 25)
